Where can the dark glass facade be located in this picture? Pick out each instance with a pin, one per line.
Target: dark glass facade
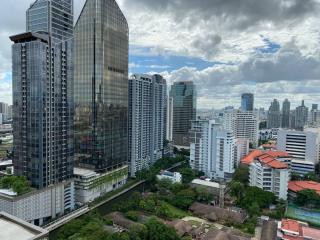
(247, 101)
(184, 111)
(51, 16)
(42, 62)
(101, 86)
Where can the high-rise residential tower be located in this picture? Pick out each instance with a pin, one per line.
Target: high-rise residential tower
(147, 120)
(247, 102)
(243, 124)
(285, 118)
(212, 149)
(42, 94)
(274, 115)
(169, 118)
(184, 99)
(301, 116)
(101, 86)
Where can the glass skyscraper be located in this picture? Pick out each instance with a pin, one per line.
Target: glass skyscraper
(247, 100)
(184, 99)
(42, 94)
(101, 86)
(51, 16)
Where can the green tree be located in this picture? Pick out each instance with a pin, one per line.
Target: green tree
(159, 231)
(187, 175)
(237, 190)
(203, 195)
(184, 198)
(308, 198)
(242, 175)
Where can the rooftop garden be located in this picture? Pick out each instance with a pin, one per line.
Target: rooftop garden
(18, 184)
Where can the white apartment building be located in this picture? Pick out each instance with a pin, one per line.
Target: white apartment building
(147, 120)
(244, 124)
(90, 185)
(212, 149)
(301, 145)
(39, 206)
(270, 175)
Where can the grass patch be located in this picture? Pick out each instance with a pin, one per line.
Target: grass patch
(174, 212)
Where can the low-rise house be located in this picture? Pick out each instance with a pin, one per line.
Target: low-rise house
(214, 213)
(295, 186)
(294, 230)
(218, 234)
(174, 177)
(119, 220)
(183, 228)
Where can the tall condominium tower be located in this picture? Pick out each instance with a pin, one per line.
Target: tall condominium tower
(169, 118)
(243, 124)
(247, 101)
(274, 115)
(301, 116)
(285, 118)
(147, 118)
(101, 86)
(184, 99)
(42, 94)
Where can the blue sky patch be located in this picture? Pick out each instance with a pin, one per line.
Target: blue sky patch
(143, 60)
(269, 47)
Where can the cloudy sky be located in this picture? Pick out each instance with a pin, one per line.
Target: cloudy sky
(227, 47)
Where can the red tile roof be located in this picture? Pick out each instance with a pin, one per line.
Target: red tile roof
(251, 156)
(291, 225)
(301, 230)
(266, 157)
(296, 186)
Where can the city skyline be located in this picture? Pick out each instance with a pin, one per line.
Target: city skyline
(239, 54)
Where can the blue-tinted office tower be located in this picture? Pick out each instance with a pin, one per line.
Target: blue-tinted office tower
(184, 99)
(247, 101)
(42, 94)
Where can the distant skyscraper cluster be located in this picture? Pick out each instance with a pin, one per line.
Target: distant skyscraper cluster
(287, 118)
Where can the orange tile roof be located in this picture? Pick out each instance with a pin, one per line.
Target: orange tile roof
(271, 162)
(266, 157)
(291, 225)
(278, 154)
(296, 186)
(251, 156)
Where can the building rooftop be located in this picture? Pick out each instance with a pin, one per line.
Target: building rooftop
(206, 183)
(296, 186)
(17, 229)
(271, 162)
(266, 157)
(295, 230)
(8, 192)
(84, 172)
